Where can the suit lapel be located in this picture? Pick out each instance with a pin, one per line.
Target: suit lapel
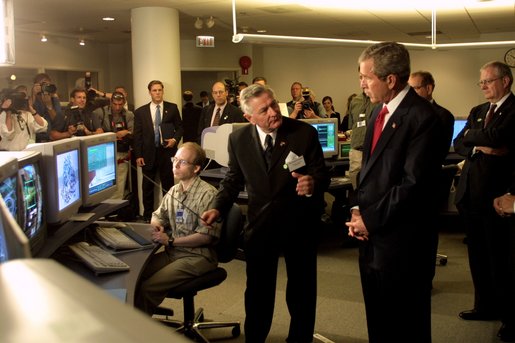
(393, 124)
(280, 148)
(498, 114)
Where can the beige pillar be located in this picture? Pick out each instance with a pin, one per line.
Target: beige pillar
(155, 56)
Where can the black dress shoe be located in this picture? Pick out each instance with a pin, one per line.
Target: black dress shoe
(476, 315)
(507, 333)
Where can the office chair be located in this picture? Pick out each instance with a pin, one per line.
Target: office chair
(194, 320)
(445, 183)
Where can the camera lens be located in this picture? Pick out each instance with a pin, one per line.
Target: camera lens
(48, 88)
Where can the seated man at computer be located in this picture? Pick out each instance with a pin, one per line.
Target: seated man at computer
(188, 243)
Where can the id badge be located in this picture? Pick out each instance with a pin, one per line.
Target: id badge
(179, 216)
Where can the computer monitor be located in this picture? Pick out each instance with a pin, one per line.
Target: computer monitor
(30, 218)
(98, 167)
(13, 242)
(327, 129)
(61, 177)
(343, 150)
(459, 124)
(215, 139)
(9, 184)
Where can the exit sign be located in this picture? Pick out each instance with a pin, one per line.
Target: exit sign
(205, 42)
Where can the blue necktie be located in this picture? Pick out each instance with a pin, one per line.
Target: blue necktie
(157, 123)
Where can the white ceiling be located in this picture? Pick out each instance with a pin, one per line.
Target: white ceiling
(82, 19)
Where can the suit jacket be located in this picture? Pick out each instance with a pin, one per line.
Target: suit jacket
(144, 145)
(485, 177)
(395, 193)
(231, 114)
(448, 125)
(274, 208)
(190, 119)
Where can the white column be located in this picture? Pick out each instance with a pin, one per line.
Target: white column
(156, 52)
(155, 56)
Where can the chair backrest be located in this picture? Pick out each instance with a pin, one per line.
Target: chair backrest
(232, 228)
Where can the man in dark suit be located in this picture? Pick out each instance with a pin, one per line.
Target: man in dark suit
(220, 112)
(280, 162)
(157, 131)
(424, 84)
(190, 117)
(395, 204)
(204, 97)
(488, 143)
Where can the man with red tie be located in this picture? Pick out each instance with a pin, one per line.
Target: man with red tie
(395, 200)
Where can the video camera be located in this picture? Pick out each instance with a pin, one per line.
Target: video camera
(48, 88)
(232, 87)
(19, 100)
(307, 103)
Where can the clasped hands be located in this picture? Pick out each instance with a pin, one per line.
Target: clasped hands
(357, 228)
(503, 205)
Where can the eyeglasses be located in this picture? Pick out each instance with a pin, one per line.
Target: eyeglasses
(418, 87)
(182, 163)
(487, 82)
(118, 97)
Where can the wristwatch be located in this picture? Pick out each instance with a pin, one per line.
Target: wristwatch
(170, 242)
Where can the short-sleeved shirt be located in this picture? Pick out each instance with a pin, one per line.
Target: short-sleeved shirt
(180, 211)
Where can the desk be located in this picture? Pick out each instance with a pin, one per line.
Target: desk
(127, 280)
(43, 301)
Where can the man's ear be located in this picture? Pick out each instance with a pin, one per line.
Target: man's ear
(196, 170)
(391, 81)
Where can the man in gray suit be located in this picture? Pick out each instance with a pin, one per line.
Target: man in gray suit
(280, 162)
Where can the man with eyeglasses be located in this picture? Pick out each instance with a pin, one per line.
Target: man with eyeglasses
(187, 241)
(220, 112)
(424, 84)
(488, 143)
(115, 118)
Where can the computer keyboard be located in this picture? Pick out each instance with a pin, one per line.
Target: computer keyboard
(114, 238)
(135, 236)
(97, 259)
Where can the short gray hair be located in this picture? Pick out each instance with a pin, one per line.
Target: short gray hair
(389, 58)
(501, 70)
(251, 92)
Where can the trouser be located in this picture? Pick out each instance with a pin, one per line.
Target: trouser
(301, 289)
(491, 242)
(355, 157)
(166, 270)
(162, 166)
(397, 304)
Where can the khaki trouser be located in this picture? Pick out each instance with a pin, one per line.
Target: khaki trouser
(355, 157)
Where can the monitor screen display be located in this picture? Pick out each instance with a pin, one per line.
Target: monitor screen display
(68, 178)
(13, 242)
(8, 190)
(459, 124)
(101, 167)
(326, 135)
(32, 199)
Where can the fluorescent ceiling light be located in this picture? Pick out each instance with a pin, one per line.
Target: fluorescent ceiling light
(376, 5)
(108, 19)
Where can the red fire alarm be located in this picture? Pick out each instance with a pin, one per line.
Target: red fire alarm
(245, 63)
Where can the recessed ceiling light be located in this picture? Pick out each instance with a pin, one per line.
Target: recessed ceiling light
(108, 19)
(82, 42)
(261, 31)
(43, 38)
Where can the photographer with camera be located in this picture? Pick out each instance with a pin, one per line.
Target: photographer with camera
(45, 101)
(77, 120)
(117, 119)
(306, 107)
(19, 121)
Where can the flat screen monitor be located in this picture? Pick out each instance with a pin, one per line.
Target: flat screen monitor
(98, 168)
(9, 185)
(327, 129)
(13, 242)
(459, 124)
(61, 177)
(31, 217)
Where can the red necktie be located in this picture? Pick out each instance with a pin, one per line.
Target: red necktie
(490, 114)
(378, 127)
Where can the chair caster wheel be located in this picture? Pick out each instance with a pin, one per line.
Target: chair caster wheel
(443, 261)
